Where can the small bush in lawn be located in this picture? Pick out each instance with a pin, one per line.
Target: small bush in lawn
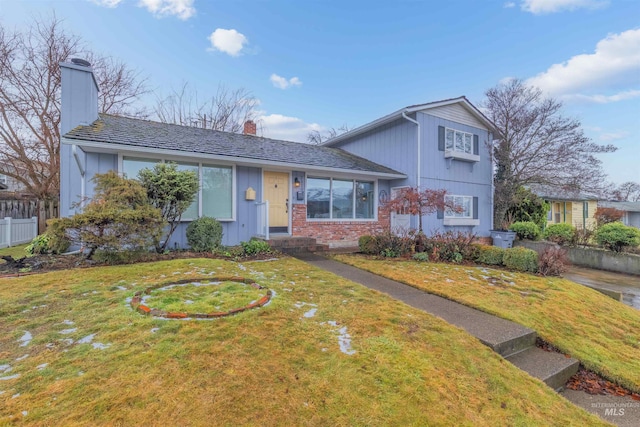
(255, 247)
(48, 243)
(582, 236)
(490, 255)
(391, 246)
(204, 234)
(528, 230)
(552, 262)
(421, 256)
(616, 236)
(451, 246)
(521, 259)
(368, 245)
(559, 233)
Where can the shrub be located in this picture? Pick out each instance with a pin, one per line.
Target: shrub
(451, 246)
(582, 236)
(48, 243)
(559, 233)
(490, 255)
(521, 259)
(391, 246)
(526, 230)
(255, 247)
(204, 234)
(607, 215)
(421, 256)
(616, 236)
(552, 262)
(368, 245)
(118, 218)
(527, 206)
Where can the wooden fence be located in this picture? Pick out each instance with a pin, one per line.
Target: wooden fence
(29, 208)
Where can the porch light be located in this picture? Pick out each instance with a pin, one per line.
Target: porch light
(296, 182)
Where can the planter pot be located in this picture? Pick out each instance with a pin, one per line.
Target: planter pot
(503, 239)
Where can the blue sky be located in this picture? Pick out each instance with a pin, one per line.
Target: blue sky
(319, 64)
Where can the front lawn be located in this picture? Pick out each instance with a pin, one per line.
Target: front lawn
(600, 332)
(324, 351)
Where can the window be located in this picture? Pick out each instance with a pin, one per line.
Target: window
(467, 215)
(458, 141)
(215, 182)
(464, 202)
(329, 198)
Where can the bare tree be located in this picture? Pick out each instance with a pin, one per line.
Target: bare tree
(30, 100)
(538, 145)
(227, 110)
(627, 192)
(315, 137)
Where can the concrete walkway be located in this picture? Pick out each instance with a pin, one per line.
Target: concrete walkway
(513, 341)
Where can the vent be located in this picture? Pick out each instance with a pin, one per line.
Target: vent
(81, 62)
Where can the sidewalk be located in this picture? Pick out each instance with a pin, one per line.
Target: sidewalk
(514, 342)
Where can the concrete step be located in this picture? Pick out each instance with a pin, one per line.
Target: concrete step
(554, 369)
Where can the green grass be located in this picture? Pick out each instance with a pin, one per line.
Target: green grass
(14, 251)
(602, 333)
(92, 360)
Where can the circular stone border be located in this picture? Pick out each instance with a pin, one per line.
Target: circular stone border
(136, 301)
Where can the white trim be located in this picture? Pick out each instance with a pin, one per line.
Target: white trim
(112, 148)
(461, 221)
(459, 155)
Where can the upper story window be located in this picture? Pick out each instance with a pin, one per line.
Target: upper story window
(458, 144)
(458, 141)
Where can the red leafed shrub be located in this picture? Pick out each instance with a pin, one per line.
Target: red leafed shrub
(552, 262)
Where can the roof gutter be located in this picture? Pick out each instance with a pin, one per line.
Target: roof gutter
(404, 115)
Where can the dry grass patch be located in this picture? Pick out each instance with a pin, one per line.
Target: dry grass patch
(599, 331)
(325, 351)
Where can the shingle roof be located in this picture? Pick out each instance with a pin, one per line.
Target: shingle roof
(137, 133)
(558, 193)
(623, 206)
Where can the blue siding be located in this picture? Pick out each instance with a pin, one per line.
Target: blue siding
(394, 145)
(244, 226)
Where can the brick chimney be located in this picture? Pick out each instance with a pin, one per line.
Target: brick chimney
(249, 127)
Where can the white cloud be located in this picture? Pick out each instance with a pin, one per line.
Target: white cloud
(287, 128)
(551, 6)
(230, 42)
(107, 3)
(282, 82)
(183, 9)
(509, 5)
(613, 136)
(614, 66)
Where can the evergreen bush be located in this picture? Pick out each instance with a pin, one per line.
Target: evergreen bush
(521, 259)
(204, 234)
(490, 255)
(528, 230)
(616, 236)
(559, 233)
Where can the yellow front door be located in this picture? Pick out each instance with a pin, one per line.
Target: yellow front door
(276, 191)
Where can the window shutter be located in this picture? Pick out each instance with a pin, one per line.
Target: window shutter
(476, 145)
(440, 138)
(475, 208)
(440, 214)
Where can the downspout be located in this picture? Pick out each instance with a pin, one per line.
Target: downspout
(74, 150)
(493, 189)
(404, 114)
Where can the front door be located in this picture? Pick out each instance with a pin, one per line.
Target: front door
(276, 191)
(400, 220)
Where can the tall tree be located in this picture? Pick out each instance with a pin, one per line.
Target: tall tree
(30, 99)
(538, 145)
(316, 137)
(627, 192)
(227, 110)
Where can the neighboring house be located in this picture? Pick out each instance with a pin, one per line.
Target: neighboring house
(332, 194)
(569, 207)
(439, 145)
(631, 211)
(9, 184)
